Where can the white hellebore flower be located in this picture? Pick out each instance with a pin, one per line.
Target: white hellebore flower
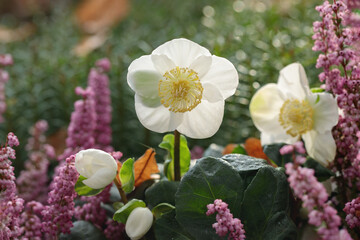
(138, 223)
(97, 166)
(288, 110)
(181, 86)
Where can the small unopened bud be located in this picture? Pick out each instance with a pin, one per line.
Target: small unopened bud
(138, 223)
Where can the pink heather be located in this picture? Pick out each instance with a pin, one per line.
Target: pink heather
(99, 83)
(297, 149)
(57, 215)
(197, 152)
(82, 124)
(33, 180)
(225, 221)
(5, 60)
(31, 224)
(92, 211)
(352, 210)
(314, 197)
(337, 37)
(114, 230)
(10, 204)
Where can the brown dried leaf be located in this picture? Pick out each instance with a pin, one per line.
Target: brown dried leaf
(145, 166)
(95, 16)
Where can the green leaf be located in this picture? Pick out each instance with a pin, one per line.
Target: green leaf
(321, 173)
(240, 150)
(83, 190)
(210, 179)
(266, 196)
(83, 230)
(161, 209)
(122, 214)
(166, 227)
(256, 193)
(127, 175)
(245, 165)
(185, 156)
(117, 205)
(161, 192)
(317, 90)
(273, 152)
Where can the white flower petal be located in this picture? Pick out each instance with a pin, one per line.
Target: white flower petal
(142, 63)
(181, 51)
(265, 108)
(280, 137)
(150, 102)
(319, 146)
(325, 111)
(162, 63)
(203, 121)
(144, 82)
(201, 65)
(211, 93)
(88, 161)
(101, 178)
(157, 119)
(223, 75)
(293, 81)
(138, 223)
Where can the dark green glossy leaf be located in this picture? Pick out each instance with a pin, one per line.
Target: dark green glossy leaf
(321, 173)
(83, 230)
(83, 190)
(185, 157)
(161, 192)
(266, 196)
(166, 227)
(127, 175)
(273, 152)
(210, 179)
(161, 209)
(123, 213)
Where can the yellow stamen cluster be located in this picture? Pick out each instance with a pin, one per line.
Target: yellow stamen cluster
(180, 90)
(296, 117)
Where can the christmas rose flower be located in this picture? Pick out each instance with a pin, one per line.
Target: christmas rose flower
(97, 166)
(288, 110)
(182, 87)
(138, 223)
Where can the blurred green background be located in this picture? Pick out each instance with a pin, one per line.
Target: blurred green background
(258, 37)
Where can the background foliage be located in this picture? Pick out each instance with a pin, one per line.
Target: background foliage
(259, 37)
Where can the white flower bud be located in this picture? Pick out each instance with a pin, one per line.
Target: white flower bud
(97, 166)
(138, 223)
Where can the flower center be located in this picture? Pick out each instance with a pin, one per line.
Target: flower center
(180, 90)
(296, 117)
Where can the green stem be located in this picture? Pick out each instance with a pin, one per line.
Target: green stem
(177, 156)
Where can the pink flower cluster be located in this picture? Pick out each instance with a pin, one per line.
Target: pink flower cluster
(90, 122)
(5, 60)
(10, 204)
(225, 221)
(92, 211)
(352, 210)
(82, 124)
(338, 39)
(313, 195)
(32, 182)
(57, 215)
(114, 230)
(31, 224)
(98, 81)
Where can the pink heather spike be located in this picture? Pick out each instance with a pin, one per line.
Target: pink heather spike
(225, 222)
